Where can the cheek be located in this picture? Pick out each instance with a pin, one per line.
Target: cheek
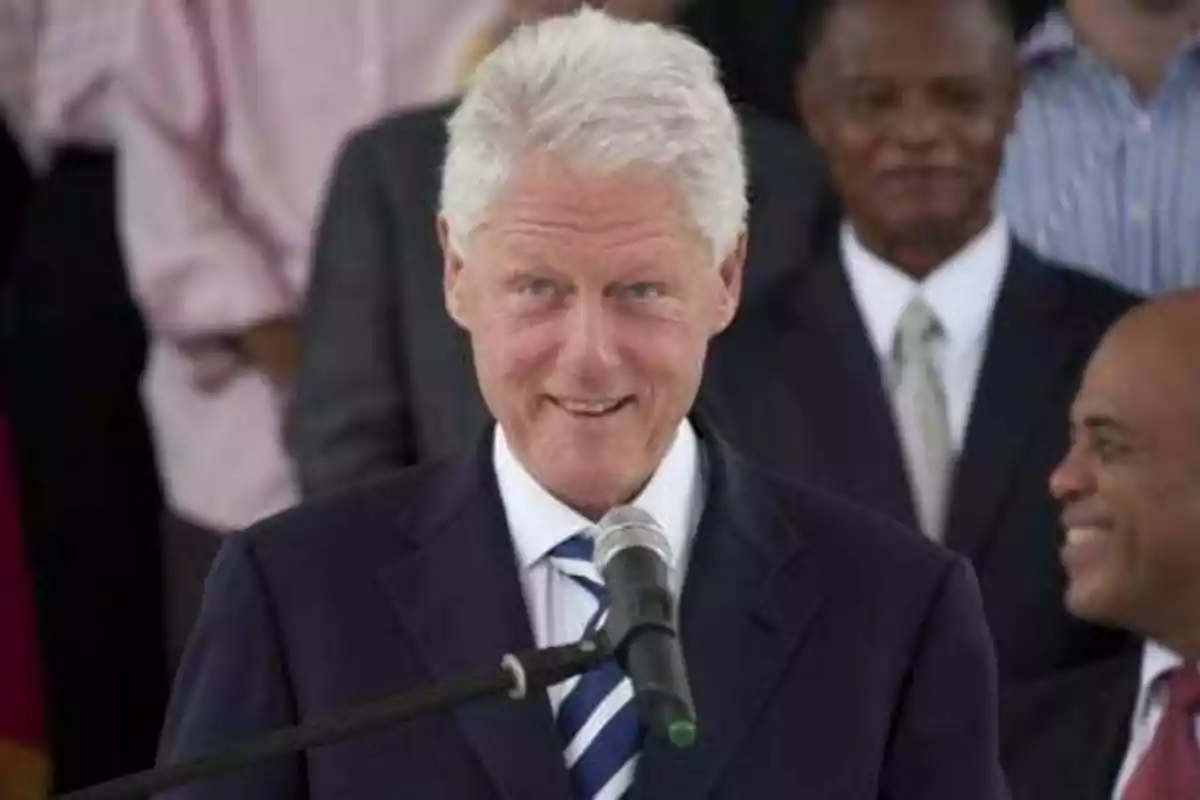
(514, 352)
(983, 144)
(669, 356)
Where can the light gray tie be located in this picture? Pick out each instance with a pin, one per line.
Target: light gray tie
(919, 400)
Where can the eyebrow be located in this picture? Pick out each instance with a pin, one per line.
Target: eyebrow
(1100, 423)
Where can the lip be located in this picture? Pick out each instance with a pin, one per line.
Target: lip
(1080, 518)
(578, 408)
(917, 176)
(1084, 546)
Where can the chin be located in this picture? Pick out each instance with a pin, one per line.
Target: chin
(1093, 603)
(589, 490)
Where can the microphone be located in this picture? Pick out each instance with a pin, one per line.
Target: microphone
(633, 555)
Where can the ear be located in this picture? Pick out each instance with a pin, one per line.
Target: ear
(730, 271)
(453, 287)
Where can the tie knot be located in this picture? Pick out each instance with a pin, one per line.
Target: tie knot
(578, 547)
(573, 557)
(919, 326)
(1183, 689)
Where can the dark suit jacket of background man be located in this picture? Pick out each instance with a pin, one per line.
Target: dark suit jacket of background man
(385, 376)
(796, 385)
(831, 653)
(1065, 736)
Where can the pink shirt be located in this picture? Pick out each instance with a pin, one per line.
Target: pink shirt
(18, 30)
(232, 113)
(58, 59)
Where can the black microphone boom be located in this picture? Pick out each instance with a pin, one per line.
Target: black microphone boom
(633, 554)
(518, 676)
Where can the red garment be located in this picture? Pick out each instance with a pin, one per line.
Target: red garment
(24, 760)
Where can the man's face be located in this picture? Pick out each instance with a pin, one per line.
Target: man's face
(1130, 488)
(590, 301)
(911, 103)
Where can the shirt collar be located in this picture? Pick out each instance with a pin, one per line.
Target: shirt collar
(1055, 35)
(538, 521)
(1157, 661)
(1052, 36)
(962, 292)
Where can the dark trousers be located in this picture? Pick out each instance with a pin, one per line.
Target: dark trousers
(88, 481)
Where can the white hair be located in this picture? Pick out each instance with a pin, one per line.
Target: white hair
(603, 94)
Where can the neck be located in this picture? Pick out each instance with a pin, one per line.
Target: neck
(1138, 42)
(920, 250)
(1177, 628)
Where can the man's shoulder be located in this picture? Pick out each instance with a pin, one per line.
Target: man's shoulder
(361, 524)
(417, 132)
(1082, 292)
(419, 121)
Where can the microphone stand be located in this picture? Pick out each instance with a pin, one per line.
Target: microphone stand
(518, 675)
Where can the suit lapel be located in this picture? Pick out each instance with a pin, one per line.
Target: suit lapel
(1026, 349)
(839, 395)
(459, 597)
(750, 593)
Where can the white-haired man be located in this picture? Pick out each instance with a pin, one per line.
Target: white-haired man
(593, 208)
(384, 378)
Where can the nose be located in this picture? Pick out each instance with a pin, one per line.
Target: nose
(917, 124)
(589, 350)
(1071, 479)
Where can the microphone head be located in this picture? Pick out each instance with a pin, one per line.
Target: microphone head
(624, 527)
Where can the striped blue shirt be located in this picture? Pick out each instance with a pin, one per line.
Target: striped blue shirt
(1096, 178)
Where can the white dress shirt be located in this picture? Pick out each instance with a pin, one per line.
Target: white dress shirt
(559, 608)
(962, 292)
(1148, 711)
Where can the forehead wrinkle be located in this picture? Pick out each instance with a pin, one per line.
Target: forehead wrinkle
(857, 30)
(616, 230)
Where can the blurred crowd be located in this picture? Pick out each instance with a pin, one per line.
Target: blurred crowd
(223, 290)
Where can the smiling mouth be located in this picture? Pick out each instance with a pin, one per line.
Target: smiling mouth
(1083, 544)
(591, 409)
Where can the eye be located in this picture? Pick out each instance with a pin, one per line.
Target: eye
(1108, 449)
(870, 98)
(960, 97)
(536, 287)
(644, 291)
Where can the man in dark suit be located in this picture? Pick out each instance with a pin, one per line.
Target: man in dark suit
(953, 421)
(384, 377)
(593, 222)
(1130, 488)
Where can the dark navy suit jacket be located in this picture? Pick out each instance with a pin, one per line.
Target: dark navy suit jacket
(831, 653)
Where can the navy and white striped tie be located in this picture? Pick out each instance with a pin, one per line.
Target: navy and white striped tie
(596, 716)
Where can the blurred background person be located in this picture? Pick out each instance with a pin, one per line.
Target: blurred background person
(1130, 492)
(1101, 169)
(76, 347)
(758, 47)
(233, 113)
(930, 355)
(385, 377)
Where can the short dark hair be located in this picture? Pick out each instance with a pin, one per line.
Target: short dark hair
(816, 20)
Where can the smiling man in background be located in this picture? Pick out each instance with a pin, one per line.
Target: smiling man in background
(1130, 489)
